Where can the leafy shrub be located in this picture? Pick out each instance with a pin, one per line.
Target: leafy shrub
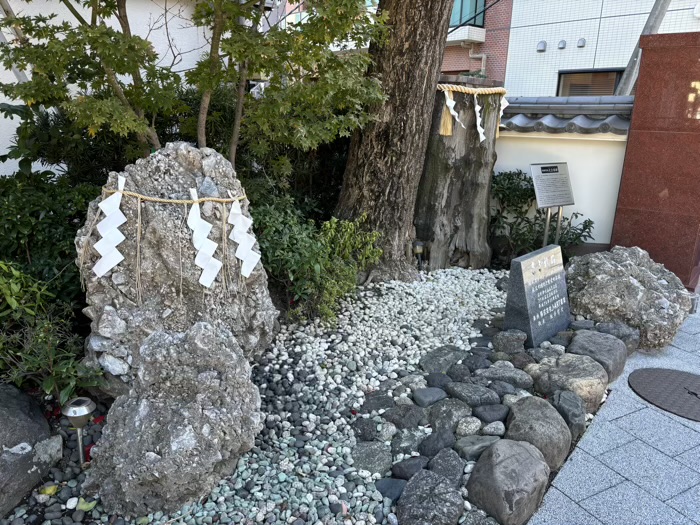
(39, 217)
(20, 295)
(315, 266)
(37, 346)
(76, 153)
(517, 227)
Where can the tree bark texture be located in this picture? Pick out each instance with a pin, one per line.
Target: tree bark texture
(386, 158)
(214, 67)
(453, 205)
(238, 116)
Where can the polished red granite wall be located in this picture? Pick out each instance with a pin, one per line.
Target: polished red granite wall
(658, 207)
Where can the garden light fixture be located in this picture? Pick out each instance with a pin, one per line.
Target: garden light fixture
(78, 412)
(418, 249)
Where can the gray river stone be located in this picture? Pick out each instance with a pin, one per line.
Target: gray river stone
(429, 498)
(509, 481)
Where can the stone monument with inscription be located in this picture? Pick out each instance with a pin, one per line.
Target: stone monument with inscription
(537, 301)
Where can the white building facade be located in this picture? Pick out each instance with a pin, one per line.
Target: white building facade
(580, 47)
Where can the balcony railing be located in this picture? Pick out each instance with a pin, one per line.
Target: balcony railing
(468, 12)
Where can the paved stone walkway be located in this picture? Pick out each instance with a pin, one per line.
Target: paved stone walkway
(636, 464)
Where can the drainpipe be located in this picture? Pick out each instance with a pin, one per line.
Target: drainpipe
(476, 56)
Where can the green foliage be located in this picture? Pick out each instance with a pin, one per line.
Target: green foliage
(39, 217)
(51, 137)
(313, 93)
(44, 353)
(316, 266)
(181, 124)
(517, 227)
(98, 75)
(20, 295)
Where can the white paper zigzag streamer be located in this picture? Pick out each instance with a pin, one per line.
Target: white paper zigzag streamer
(109, 230)
(450, 102)
(505, 104)
(246, 241)
(479, 127)
(205, 247)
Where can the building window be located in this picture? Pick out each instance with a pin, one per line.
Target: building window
(596, 83)
(464, 11)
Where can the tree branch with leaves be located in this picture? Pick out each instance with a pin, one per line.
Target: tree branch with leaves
(79, 66)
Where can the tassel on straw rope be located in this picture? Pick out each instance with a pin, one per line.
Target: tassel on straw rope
(446, 119)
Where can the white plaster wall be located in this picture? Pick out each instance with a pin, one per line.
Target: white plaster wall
(611, 29)
(179, 45)
(595, 167)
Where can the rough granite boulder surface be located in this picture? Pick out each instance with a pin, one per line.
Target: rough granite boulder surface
(572, 408)
(625, 285)
(578, 373)
(536, 421)
(171, 297)
(191, 412)
(442, 358)
(26, 449)
(605, 349)
(429, 498)
(627, 334)
(509, 481)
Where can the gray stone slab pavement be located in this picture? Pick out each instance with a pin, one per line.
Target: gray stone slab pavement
(636, 464)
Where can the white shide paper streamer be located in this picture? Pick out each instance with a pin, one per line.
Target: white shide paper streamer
(505, 104)
(246, 241)
(479, 127)
(450, 102)
(205, 247)
(109, 230)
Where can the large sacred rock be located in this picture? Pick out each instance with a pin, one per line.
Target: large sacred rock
(191, 412)
(156, 286)
(625, 285)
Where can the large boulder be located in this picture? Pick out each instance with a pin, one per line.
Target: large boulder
(506, 373)
(536, 421)
(446, 414)
(578, 373)
(625, 285)
(605, 349)
(572, 408)
(628, 335)
(509, 481)
(442, 358)
(447, 463)
(473, 395)
(27, 450)
(374, 457)
(429, 498)
(509, 341)
(170, 297)
(191, 412)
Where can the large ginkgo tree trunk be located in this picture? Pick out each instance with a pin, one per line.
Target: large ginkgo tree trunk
(386, 158)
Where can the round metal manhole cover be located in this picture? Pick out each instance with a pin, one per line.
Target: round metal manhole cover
(674, 391)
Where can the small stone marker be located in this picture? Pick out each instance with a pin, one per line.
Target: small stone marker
(537, 301)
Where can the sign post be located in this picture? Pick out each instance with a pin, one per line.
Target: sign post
(552, 190)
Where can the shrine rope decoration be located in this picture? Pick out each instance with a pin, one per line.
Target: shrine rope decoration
(449, 112)
(114, 218)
